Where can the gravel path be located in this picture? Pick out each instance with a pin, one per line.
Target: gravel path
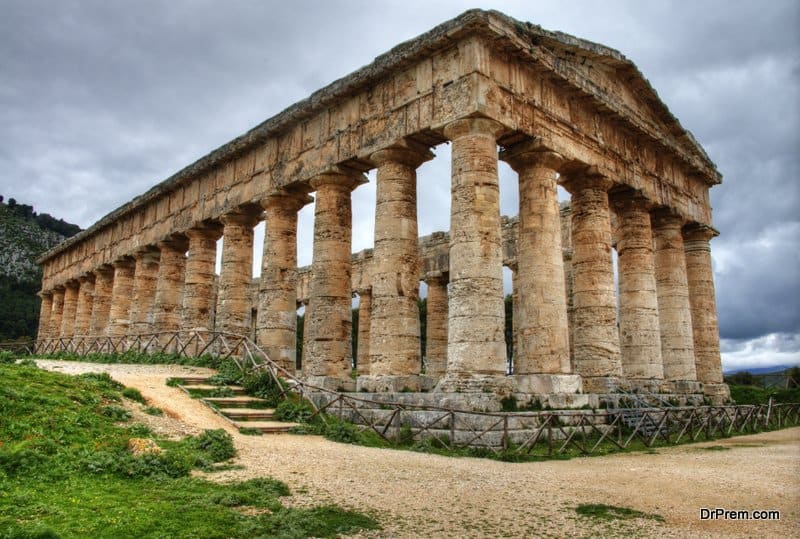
(419, 495)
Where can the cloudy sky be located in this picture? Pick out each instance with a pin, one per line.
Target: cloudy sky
(101, 99)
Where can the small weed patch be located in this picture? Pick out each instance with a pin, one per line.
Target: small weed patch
(133, 394)
(153, 410)
(611, 512)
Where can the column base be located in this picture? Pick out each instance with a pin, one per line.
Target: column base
(500, 385)
(409, 383)
(602, 384)
(644, 385)
(547, 384)
(682, 387)
(717, 393)
(331, 383)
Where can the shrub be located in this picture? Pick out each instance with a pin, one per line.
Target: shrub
(299, 412)
(153, 410)
(133, 394)
(117, 413)
(7, 357)
(216, 444)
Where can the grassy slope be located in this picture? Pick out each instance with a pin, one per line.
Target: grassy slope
(65, 472)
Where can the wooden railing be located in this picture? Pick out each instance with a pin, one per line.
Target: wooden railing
(528, 432)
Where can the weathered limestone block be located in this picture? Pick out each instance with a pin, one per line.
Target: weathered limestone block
(83, 313)
(70, 307)
(199, 279)
(364, 341)
(236, 272)
(45, 310)
(476, 350)
(101, 305)
(436, 341)
(327, 353)
(596, 338)
(705, 327)
(394, 326)
(145, 278)
(541, 315)
(169, 285)
(276, 321)
(57, 313)
(640, 337)
(674, 311)
(121, 294)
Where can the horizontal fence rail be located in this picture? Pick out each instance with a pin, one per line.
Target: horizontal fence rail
(546, 433)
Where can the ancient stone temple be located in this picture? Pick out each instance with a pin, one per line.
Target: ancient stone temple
(559, 110)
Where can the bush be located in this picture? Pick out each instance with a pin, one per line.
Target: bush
(299, 412)
(261, 384)
(117, 413)
(133, 394)
(7, 357)
(216, 444)
(153, 410)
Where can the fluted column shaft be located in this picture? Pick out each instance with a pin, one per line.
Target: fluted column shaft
(57, 312)
(145, 281)
(121, 294)
(674, 311)
(436, 339)
(276, 321)
(327, 351)
(45, 309)
(169, 286)
(198, 286)
(83, 313)
(70, 307)
(101, 305)
(596, 338)
(640, 337)
(394, 328)
(700, 280)
(541, 314)
(476, 348)
(236, 272)
(364, 339)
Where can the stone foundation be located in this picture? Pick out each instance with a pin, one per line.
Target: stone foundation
(395, 384)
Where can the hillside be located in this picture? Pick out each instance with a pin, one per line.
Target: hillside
(24, 235)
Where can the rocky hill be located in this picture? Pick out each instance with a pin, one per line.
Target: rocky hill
(24, 236)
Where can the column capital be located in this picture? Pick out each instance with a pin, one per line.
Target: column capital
(405, 152)
(345, 179)
(44, 293)
(473, 126)
(664, 217)
(286, 200)
(123, 262)
(436, 277)
(103, 269)
(72, 283)
(363, 291)
(531, 152)
(204, 232)
(59, 289)
(244, 216)
(588, 178)
(86, 277)
(699, 232)
(174, 243)
(628, 199)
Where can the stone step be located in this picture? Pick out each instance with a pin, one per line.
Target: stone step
(267, 427)
(191, 380)
(235, 402)
(248, 414)
(236, 390)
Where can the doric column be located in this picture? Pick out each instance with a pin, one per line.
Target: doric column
(145, 279)
(327, 346)
(101, 305)
(199, 278)
(596, 338)
(169, 285)
(705, 327)
(276, 320)
(436, 339)
(83, 313)
(674, 311)
(514, 310)
(45, 309)
(394, 325)
(476, 348)
(57, 313)
(541, 314)
(640, 337)
(236, 273)
(70, 306)
(364, 314)
(121, 294)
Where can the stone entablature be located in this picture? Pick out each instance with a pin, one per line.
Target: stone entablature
(563, 111)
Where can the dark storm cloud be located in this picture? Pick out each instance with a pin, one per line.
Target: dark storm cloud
(100, 100)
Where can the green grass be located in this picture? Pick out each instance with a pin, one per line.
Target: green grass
(65, 471)
(602, 511)
(760, 395)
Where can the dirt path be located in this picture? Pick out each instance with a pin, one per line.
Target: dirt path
(414, 494)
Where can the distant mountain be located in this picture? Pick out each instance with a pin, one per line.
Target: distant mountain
(761, 370)
(24, 236)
